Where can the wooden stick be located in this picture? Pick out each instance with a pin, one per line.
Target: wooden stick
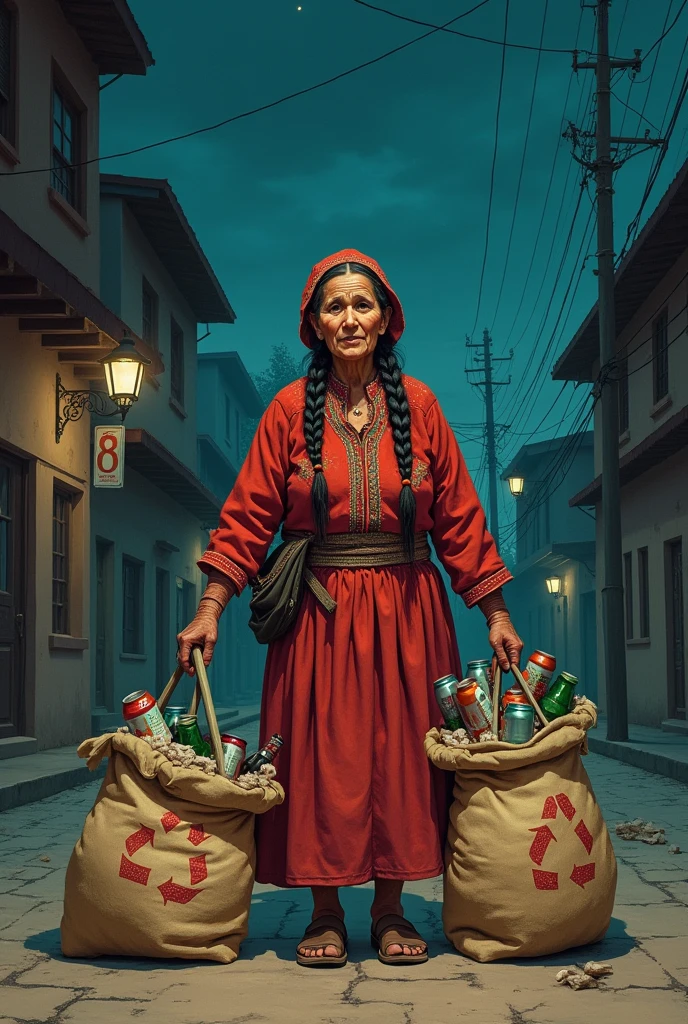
(529, 694)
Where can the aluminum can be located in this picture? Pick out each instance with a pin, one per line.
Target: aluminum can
(234, 750)
(514, 696)
(143, 716)
(446, 689)
(476, 713)
(559, 698)
(538, 673)
(481, 671)
(519, 723)
(171, 715)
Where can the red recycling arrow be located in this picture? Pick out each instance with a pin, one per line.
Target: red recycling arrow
(197, 869)
(567, 807)
(197, 835)
(583, 873)
(133, 872)
(173, 893)
(543, 837)
(584, 835)
(545, 879)
(169, 821)
(550, 808)
(138, 839)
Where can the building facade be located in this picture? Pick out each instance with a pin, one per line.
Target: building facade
(555, 542)
(227, 397)
(651, 298)
(147, 537)
(51, 323)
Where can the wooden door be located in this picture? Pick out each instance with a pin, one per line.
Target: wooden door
(12, 610)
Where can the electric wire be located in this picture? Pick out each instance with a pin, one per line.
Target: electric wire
(255, 110)
(493, 168)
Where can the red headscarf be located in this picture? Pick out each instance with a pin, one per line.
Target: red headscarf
(396, 323)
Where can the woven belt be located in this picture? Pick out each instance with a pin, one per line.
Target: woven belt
(363, 550)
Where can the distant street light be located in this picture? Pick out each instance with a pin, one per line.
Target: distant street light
(516, 485)
(553, 585)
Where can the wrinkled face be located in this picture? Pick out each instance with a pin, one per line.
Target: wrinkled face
(350, 319)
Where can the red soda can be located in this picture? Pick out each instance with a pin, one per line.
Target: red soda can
(538, 673)
(473, 708)
(143, 716)
(234, 750)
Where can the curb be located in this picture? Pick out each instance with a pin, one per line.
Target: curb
(27, 792)
(658, 764)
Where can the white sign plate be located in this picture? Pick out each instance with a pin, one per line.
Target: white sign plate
(108, 456)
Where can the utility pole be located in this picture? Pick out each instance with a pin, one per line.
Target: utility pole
(603, 168)
(487, 359)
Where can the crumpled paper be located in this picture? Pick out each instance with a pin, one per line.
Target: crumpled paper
(462, 738)
(586, 978)
(641, 831)
(183, 756)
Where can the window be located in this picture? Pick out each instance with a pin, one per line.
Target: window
(628, 593)
(149, 314)
(643, 593)
(660, 356)
(132, 606)
(7, 72)
(177, 362)
(228, 420)
(62, 507)
(65, 177)
(237, 429)
(623, 396)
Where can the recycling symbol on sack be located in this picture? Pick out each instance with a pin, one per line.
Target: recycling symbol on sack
(581, 873)
(171, 891)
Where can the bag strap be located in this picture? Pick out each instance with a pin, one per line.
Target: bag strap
(529, 694)
(496, 694)
(201, 691)
(164, 698)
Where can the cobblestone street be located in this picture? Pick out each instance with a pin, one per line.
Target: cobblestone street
(647, 943)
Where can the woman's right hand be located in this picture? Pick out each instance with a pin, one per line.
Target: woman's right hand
(201, 632)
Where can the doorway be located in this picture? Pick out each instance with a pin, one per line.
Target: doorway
(163, 640)
(12, 595)
(676, 657)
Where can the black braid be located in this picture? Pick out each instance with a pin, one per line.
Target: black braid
(400, 422)
(313, 428)
(397, 406)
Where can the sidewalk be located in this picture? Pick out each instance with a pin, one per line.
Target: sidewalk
(36, 776)
(663, 753)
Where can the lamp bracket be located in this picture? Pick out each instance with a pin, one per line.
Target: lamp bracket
(70, 406)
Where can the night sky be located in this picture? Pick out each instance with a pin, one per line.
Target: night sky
(396, 160)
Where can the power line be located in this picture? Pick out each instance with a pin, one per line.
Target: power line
(521, 169)
(254, 110)
(464, 35)
(493, 168)
(664, 34)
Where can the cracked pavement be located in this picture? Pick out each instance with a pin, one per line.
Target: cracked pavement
(647, 943)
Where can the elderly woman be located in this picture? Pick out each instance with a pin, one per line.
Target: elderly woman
(361, 457)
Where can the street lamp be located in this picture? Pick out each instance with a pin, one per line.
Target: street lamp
(124, 369)
(516, 485)
(553, 584)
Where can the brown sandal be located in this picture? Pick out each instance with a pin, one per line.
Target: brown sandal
(326, 930)
(391, 930)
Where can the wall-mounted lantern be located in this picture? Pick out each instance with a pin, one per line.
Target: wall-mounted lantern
(124, 369)
(516, 485)
(553, 584)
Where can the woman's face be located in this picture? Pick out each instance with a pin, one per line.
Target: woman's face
(350, 319)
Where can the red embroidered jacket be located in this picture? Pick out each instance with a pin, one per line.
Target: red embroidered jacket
(274, 486)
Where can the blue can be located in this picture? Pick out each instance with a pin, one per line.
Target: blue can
(519, 723)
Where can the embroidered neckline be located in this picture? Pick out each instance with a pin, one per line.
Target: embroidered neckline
(341, 390)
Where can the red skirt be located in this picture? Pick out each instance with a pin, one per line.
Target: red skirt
(351, 693)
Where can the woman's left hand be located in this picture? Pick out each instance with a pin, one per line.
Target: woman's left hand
(504, 640)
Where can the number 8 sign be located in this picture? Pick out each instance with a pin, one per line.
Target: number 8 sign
(108, 456)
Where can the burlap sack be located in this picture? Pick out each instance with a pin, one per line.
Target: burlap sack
(530, 868)
(165, 864)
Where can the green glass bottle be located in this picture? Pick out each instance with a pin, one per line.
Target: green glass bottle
(558, 700)
(189, 735)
